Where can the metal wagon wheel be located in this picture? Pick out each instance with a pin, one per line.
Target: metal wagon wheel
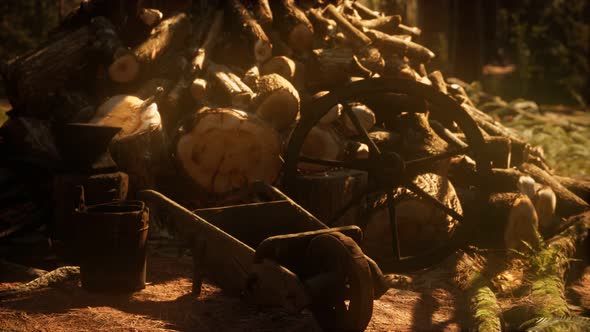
(389, 169)
(339, 281)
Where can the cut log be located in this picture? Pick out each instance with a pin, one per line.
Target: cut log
(277, 101)
(225, 149)
(292, 70)
(167, 35)
(329, 67)
(421, 225)
(568, 203)
(322, 26)
(365, 116)
(322, 143)
(292, 24)
(357, 37)
(150, 16)
(137, 147)
(252, 36)
(227, 88)
(365, 11)
(386, 23)
(397, 45)
(33, 79)
(522, 227)
(122, 62)
(263, 13)
(332, 115)
(580, 187)
(198, 89)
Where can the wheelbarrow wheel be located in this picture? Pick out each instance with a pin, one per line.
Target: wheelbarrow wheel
(339, 282)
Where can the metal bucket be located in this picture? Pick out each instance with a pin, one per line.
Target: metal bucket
(112, 243)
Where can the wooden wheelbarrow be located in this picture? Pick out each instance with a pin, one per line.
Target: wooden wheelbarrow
(276, 253)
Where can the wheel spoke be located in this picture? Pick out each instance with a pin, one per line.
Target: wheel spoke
(424, 195)
(427, 161)
(393, 223)
(358, 164)
(373, 148)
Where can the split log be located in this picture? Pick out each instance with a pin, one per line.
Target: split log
(225, 149)
(292, 24)
(412, 31)
(252, 36)
(227, 88)
(167, 35)
(292, 70)
(137, 147)
(390, 43)
(277, 101)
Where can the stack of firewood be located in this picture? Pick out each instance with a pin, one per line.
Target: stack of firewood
(207, 94)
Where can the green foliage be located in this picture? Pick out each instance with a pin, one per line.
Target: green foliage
(570, 324)
(485, 308)
(549, 39)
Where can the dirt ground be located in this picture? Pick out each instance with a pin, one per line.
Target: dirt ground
(166, 304)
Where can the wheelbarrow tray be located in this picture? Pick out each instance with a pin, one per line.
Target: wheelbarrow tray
(223, 242)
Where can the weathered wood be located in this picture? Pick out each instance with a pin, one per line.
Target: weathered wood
(357, 37)
(394, 44)
(293, 71)
(250, 33)
(277, 101)
(568, 203)
(580, 187)
(322, 26)
(293, 25)
(58, 276)
(386, 23)
(168, 35)
(137, 148)
(33, 80)
(227, 89)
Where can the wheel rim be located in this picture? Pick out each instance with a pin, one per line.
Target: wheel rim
(340, 283)
(440, 102)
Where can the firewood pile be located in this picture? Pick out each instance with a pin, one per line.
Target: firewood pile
(209, 94)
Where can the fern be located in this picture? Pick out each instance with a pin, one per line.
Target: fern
(543, 324)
